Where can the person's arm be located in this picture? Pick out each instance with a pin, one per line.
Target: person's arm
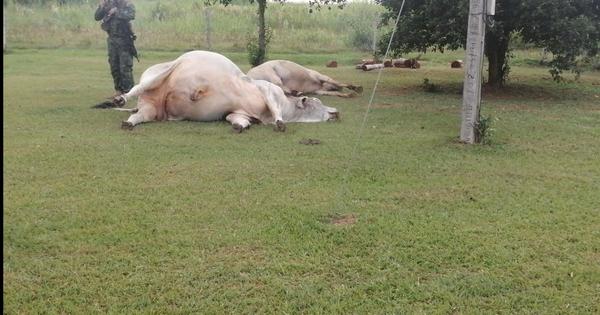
(100, 11)
(126, 13)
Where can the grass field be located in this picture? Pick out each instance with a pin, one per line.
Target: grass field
(187, 217)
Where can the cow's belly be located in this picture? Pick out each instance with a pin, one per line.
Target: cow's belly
(183, 102)
(198, 111)
(194, 96)
(207, 112)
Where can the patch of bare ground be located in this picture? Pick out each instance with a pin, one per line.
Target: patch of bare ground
(343, 219)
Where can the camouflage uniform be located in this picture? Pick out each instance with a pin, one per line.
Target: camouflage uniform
(120, 41)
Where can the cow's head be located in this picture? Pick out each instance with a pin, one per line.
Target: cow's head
(308, 109)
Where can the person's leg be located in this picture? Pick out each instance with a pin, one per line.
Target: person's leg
(126, 69)
(114, 62)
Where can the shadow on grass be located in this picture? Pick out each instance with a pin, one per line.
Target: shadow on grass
(492, 146)
(548, 92)
(544, 92)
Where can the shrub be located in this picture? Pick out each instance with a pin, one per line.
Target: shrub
(484, 130)
(256, 56)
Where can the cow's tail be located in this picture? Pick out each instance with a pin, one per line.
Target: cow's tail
(151, 78)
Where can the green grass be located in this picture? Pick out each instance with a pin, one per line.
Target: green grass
(188, 217)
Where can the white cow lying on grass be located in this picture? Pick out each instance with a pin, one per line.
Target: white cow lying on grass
(295, 79)
(206, 86)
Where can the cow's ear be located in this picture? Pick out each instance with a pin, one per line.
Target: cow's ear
(302, 102)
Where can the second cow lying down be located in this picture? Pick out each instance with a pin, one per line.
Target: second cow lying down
(295, 79)
(206, 86)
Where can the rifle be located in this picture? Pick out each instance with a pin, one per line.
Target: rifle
(132, 39)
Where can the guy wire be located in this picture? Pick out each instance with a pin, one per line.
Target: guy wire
(344, 183)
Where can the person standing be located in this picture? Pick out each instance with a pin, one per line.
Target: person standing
(116, 16)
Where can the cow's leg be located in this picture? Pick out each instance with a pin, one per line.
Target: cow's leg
(331, 84)
(275, 110)
(336, 93)
(331, 87)
(274, 99)
(239, 122)
(129, 110)
(275, 79)
(356, 88)
(327, 85)
(151, 78)
(122, 99)
(146, 113)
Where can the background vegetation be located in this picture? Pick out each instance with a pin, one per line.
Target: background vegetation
(181, 25)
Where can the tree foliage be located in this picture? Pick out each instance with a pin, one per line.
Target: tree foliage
(566, 28)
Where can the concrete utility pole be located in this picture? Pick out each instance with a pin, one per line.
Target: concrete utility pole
(478, 9)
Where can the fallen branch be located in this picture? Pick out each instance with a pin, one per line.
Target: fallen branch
(373, 66)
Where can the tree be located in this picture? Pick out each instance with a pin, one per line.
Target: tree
(259, 53)
(566, 28)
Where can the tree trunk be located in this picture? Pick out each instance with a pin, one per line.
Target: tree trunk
(496, 50)
(262, 41)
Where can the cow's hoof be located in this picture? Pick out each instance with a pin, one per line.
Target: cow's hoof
(335, 116)
(237, 128)
(358, 89)
(126, 125)
(279, 126)
(119, 101)
(351, 94)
